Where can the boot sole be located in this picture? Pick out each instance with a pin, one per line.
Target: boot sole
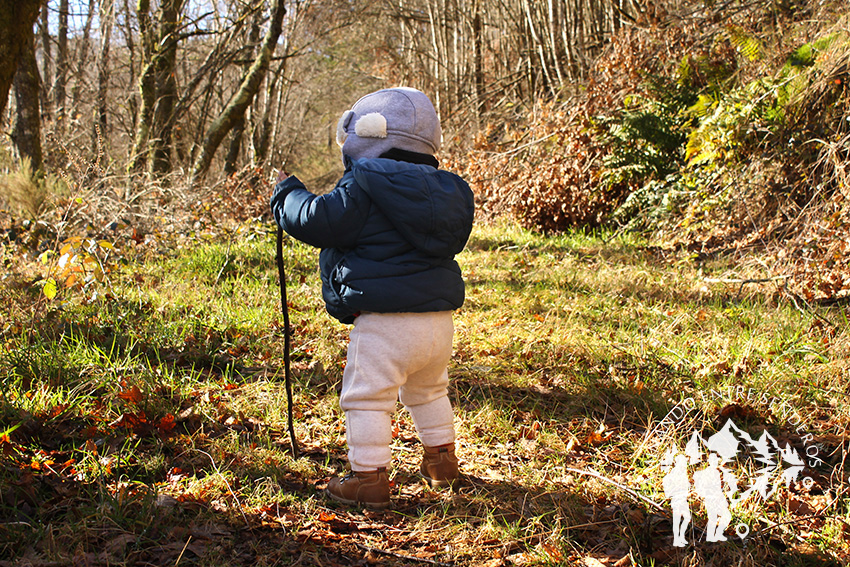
(440, 483)
(348, 502)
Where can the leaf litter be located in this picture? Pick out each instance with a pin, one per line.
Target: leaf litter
(174, 450)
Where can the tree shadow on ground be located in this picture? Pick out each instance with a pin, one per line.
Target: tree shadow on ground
(80, 491)
(494, 517)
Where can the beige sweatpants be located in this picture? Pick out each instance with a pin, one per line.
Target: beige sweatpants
(396, 357)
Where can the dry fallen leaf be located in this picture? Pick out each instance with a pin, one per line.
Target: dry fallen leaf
(131, 394)
(117, 544)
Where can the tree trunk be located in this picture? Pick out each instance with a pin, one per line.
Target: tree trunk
(244, 95)
(27, 130)
(61, 78)
(130, 99)
(17, 18)
(82, 44)
(100, 132)
(147, 90)
(47, 58)
(165, 64)
(263, 133)
(436, 56)
(478, 61)
(238, 131)
(235, 147)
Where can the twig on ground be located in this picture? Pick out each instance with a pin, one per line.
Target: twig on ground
(401, 556)
(625, 489)
(227, 484)
(772, 525)
(745, 281)
(808, 308)
(182, 551)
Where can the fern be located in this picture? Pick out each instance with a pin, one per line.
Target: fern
(647, 137)
(746, 44)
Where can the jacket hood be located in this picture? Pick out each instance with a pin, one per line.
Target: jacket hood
(431, 208)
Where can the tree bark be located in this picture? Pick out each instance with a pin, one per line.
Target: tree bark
(165, 64)
(47, 59)
(101, 132)
(61, 78)
(147, 90)
(130, 99)
(263, 134)
(82, 45)
(235, 147)
(244, 95)
(16, 23)
(478, 60)
(238, 132)
(27, 131)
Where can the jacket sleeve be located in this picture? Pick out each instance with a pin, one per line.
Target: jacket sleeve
(333, 220)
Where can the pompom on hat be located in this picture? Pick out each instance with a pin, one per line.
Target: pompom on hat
(401, 118)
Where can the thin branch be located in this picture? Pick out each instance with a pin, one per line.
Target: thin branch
(522, 147)
(227, 484)
(625, 489)
(744, 282)
(401, 556)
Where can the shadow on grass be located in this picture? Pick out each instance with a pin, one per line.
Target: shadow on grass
(128, 515)
(78, 488)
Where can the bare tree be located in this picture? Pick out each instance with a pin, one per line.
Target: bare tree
(100, 132)
(147, 88)
(465, 51)
(242, 98)
(27, 131)
(157, 85)
(238, 130)
(47, 59)
(16, 28)
(165, 62)
(177, 79)
(60, 80)
(83, 43)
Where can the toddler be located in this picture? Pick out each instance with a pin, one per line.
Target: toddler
(388, 234)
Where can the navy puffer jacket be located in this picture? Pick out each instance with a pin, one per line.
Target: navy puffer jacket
(389, 232)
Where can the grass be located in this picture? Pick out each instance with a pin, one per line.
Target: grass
(150, 425)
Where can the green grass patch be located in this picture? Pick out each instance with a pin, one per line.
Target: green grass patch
(148, 426)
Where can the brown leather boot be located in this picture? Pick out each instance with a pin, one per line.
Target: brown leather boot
(370, 489)
(439, 466)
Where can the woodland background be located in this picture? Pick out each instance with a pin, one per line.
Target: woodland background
(664, 212)
(727, 119)
(716, 125)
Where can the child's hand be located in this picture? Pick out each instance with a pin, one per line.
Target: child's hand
(282, 175)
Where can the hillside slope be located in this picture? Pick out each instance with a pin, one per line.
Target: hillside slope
(713, 129)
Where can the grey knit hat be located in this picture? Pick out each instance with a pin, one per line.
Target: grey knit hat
(401, 117)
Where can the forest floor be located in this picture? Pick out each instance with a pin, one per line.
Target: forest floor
(143, 418)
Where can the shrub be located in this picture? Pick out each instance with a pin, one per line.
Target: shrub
(548, 180)
(27, 191)
(645, 139)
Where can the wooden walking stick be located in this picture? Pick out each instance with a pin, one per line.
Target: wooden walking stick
(287, 340)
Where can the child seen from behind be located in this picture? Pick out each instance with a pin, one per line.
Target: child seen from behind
(388, 234)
